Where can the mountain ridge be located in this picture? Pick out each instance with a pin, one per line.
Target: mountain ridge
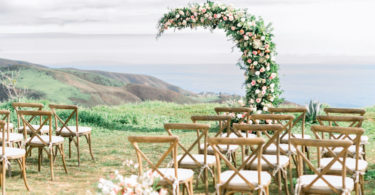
(91, 87)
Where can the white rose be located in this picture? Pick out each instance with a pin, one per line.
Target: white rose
(239, 25)
(257, 91)
(259, 112)
(257, 73)
(272, 85)
(184, 22)
(262, 38)
(251, 101)
(218, 15)
(181, 13)
(255, 63)
(230, 18)
(268, 68)
(265, 109)
(243, 19)
(271, 99)
(178, 15)
(246, 38)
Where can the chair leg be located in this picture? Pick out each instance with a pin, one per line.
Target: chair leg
(90, 148)
(50, 155)
(364, 151)
(291, 177)
(362, 183)
(70, 147)
(55, 154)
(61, 149)
(78, 156)
(206, 179)
(279, 181)
(3, 172)
(23, 168)
(40, 152)
(285, 178)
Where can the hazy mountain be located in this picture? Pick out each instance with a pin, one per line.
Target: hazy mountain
(90, 87)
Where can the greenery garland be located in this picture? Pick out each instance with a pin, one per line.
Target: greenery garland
(250, 34)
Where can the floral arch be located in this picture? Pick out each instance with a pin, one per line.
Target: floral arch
(251, 36)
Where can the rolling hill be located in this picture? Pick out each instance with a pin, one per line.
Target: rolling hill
(90, 87)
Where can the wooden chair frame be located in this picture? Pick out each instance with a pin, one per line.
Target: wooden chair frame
(277, 130)
(202, 132)
(5, 159)
(18, 106)
(73, 133)
(344, 133)
(320, 172)
(173, 141)
(353, 121)
(46, 117)
(256, 154)
(351, 111)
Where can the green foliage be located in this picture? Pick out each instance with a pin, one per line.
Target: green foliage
(313, 111)
(251, 35)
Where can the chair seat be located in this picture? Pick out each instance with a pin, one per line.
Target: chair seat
(44, 130)
(322, 187)
(35, 141)
(299, 136)
(364, 138)
(238, 183)
(351, 150)
(11, 126)
(224, 148)
(81, 130)
(188, 162)
(13, 137)
(233, 135)
(284, 161)
(13, 153)
(183, 174)
(350, 164)
(272, 149)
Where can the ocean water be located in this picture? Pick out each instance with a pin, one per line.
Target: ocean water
(199, 62)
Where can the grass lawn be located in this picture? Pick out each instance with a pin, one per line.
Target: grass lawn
(111, 147)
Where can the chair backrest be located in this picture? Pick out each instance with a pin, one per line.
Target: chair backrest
(299, 111)
(341, 133)
(255, 143)
(345, 111)
(18, 106)
(60, 123)
(46, 119)
(172, 149)
(224, 122)
(5, 116)
(201, 130)
(282, 119)
(239, 114)
(270, 138)
(320, 173)
(348, 121)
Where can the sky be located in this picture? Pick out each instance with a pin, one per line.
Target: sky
(119, 35)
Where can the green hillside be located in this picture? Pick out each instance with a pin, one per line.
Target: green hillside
(90, 88)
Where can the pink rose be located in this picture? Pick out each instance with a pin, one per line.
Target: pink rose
(258, 100)
(254, 53)
(225, 18)
(250, 34)
(264, 88)
(242, 32)
(203, 10)
(263, 92)
(249, 61)
(253, 82)
(215, 15)
(267, 46)
(233, 28)
(192, 17)
(262, 69)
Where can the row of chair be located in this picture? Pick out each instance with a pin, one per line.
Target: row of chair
(35, 128)
(269, 146)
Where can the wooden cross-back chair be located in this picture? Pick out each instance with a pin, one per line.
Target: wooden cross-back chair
(11, 139)
(301, 116)
(317, 180)
(188, 159)
(172, 177)
(286, 121)
(18, 106)
(224, 125)
(42, 142)
(349, 112)
(238, 179)
(343, 121)
(355, 167)
(234, 112)
(11, 153)
(71, 131)
(272, 163)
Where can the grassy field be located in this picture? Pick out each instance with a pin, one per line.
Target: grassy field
(111, 126)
